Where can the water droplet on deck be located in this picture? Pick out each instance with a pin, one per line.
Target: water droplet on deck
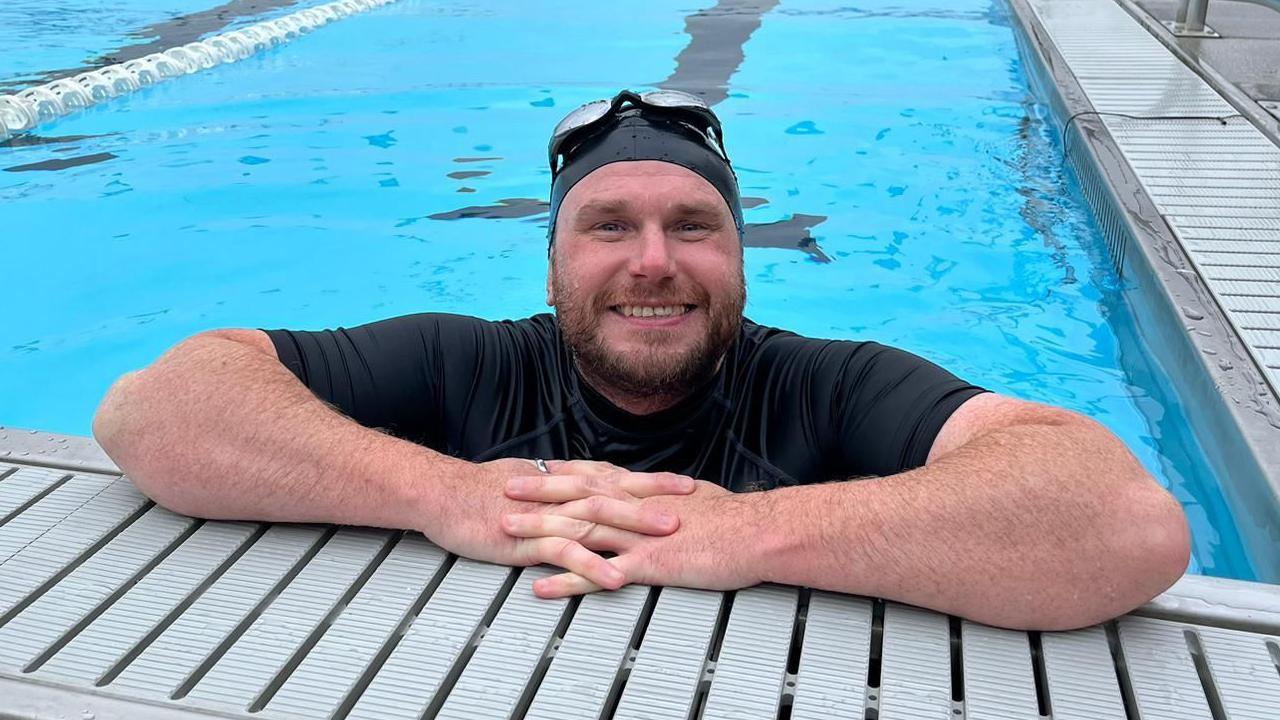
(1225, 364)
(1192, 313)
(1208, 351)
(87, 715)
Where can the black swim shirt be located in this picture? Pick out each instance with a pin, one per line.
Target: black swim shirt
(782, 409)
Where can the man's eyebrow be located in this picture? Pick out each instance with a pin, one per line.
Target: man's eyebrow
(611, 206)
(698, 210)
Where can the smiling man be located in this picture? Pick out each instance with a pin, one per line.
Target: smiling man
(647, 432)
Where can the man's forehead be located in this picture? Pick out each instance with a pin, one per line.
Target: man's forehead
(623, 185)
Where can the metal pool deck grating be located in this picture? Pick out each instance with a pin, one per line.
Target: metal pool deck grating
(1216, 183)
(111, 607)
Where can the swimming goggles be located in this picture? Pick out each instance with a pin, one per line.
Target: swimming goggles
(690, 110)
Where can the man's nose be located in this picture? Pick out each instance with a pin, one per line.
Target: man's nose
(653, 258)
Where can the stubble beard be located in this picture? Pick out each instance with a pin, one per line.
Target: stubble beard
(656, 375)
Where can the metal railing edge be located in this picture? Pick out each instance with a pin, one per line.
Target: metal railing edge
(53, 450)
(30, 698)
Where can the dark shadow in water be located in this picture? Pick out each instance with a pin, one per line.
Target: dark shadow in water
(32, 140)
(464, 174)
(160, 36)
(790, 234)
(474, 159)
(507, 209)
(714, 53)
(63, 163)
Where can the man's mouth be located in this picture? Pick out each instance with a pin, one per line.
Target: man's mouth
(652, 311)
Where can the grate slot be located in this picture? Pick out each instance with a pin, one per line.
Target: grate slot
(388, 647)
(223, 647)
(1207, 680)
(110, 600)
(323, 626)
(699, 704)
(34, 499)
(450, 680)
(548, 654)
(70, 567)
(633, 649)
(1122, 672)
(114, 671)
(1041, 675)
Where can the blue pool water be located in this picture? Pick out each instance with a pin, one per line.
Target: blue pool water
(298, 189)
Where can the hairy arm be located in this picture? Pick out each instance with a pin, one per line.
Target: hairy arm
(218, 428)
(1026, 516)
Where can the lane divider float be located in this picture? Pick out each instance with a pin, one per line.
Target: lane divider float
(25, 110)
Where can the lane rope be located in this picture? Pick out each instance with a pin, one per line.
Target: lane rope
(24, 111)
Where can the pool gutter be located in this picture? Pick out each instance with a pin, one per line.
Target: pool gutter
(1235, 410)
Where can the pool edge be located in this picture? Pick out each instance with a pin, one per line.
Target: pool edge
(1241, 445)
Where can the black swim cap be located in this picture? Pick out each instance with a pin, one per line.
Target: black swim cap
(648, 136)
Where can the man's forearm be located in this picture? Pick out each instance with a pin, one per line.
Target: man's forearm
(992, 531)
(218, 429)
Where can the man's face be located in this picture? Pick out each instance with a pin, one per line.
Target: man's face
(646, 277)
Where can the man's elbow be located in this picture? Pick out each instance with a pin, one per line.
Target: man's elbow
(112, 418)
(1147, 552)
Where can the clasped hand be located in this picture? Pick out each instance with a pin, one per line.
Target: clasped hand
(664, 528)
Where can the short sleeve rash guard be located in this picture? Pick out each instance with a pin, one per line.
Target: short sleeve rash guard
(782, 410)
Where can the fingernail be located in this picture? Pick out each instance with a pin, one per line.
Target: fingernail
(615, 575)
(519, 484)
(687, 484)
(666, 519)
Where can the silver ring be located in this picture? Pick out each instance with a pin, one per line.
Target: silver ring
(541, 465)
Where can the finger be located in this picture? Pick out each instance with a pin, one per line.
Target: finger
(560, 488)
(581, 467)
(619, 514)
(592, 536)
(573, 557)
(563, 585)
(643, 485)
(567, 584)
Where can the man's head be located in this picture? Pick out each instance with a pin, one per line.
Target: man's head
(646, 261)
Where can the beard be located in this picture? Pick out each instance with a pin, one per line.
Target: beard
(653, 369)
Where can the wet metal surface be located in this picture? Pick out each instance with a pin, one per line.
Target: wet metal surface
(1248, 51)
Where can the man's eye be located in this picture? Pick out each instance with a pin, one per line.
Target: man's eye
(692, 227)
(609, 227)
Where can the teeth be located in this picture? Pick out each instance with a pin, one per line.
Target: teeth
(646, 311)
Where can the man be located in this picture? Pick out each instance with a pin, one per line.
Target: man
(617, 438)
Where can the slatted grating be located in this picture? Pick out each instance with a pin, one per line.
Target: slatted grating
(105, 595)
(1216, 182)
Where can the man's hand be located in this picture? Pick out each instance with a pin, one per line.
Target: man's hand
(710, 550)
(608, 498)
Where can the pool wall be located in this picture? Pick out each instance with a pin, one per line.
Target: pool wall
(1232, 409)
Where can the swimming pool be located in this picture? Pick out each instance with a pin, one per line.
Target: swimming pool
(901, 187)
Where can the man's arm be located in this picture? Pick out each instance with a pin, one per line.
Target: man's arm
(219, 428)
(1027, 516)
